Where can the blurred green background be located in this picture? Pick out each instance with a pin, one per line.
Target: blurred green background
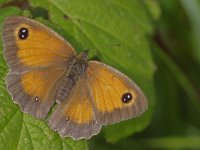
(156, 43)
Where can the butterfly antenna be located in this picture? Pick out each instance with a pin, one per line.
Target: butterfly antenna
(82, 33)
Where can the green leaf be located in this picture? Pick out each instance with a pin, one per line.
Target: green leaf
(101, 24)
(192, 107)
(167, 119)
(19, 130)
(192, 8)
(162, 143)
(2, 2)
(172, 142)
(154, 8)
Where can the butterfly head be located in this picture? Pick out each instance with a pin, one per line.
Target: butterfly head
(84, 55)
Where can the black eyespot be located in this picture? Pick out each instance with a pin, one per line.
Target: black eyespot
(23, 33)
(127, 97)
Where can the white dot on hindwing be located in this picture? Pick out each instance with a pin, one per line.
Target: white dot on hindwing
(36, 99)
(67, 119)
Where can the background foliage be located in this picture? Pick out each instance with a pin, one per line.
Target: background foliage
(156, 43)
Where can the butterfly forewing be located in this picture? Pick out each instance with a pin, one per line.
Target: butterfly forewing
(30, 45)
(114, 95)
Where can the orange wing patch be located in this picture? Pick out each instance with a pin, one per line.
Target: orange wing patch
(80, 112)
(39, 82)
(34, 91)
(40, 47)
(78, 106)
(108, 89)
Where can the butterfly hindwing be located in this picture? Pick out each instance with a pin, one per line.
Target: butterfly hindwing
(75, 116)
(35, 90)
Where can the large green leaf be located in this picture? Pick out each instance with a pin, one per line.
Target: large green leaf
(21, 131)
(99, 25)
(192, 107)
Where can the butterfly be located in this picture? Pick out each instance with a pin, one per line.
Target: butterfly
(44, 69)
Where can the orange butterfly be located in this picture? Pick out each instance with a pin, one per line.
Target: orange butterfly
(44, 69)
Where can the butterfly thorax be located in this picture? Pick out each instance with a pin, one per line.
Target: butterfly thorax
(79, 65)
(76, 67)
